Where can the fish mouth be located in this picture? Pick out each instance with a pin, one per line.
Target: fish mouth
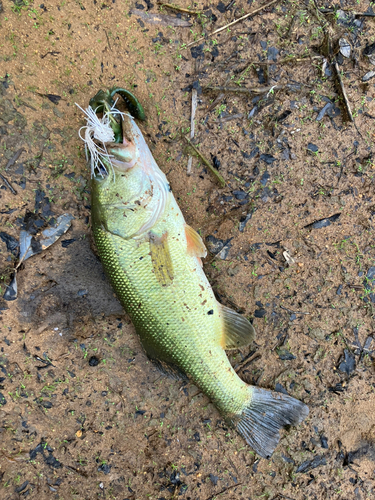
(110, 135)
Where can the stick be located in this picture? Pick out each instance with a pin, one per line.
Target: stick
(244, 90)
(243, 366)
(180, 9)
(109, 44)
(343, 92)
(218, 99)
(292, 23)
(232, 117)
(8, 184)
(292, 312)
(223, 491)
(355, 14)
(283, 61)
(363, 14)
(265, 6)
(218, 176)
(194, 103)
(23, 103)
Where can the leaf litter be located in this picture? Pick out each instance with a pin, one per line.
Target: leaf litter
(30, 245)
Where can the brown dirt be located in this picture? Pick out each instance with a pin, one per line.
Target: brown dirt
(85, 414)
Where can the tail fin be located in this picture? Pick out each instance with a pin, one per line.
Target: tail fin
(262, 418)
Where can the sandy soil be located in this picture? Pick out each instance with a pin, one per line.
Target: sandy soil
(83, 413)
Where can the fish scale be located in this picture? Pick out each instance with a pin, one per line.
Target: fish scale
(153, 260)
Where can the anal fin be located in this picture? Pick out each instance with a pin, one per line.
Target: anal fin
(195, 245)
(161, 258)
(237, 330)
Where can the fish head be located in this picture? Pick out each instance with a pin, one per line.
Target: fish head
(126, 181)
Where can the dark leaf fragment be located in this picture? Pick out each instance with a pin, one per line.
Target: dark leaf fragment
(260, 313)
(371, 273)
(309, 465)
(21, 487)
(30, 245)
(240, 195)
(284, 354)
(324, 442)
(283, 116)
(11, 243)
(243, 221)
(347, 363)
(269, 159)
(281, 388)
(66, 243)
(213, 479)
(337, 388)
(323, 111)
(52, 97)
(312, 148)
(323, 222)
(265, 178)
(106, 468)
(11, 291)
(218, 247)
(3, 401)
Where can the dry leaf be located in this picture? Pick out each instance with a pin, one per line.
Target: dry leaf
(289, 259)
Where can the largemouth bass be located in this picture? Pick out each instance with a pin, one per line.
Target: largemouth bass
(153, 260)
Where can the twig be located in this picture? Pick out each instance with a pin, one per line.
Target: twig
(180, 9)
(355, 14)
(223, 63)
(23, 103)
(265, 6)
(244, 90)
(292, 312)
(280, 342)
(223, 491)
(260, 377)
(243, 366)
(218, 99)
(50, 53)
(363, 14)
(8, 184)
(246, 358)
(218, 176)
(194, 103)
(343, 92)
(232, 117)
(292, 23)
(283, 61)
(106, 34)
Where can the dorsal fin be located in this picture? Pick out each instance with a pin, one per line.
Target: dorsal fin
(237, 330)
(195, 245)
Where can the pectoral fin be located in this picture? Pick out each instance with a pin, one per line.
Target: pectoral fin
(237, 330)
(161, 258)
(195, 245)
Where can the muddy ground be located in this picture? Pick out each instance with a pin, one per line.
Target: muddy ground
(83, 413)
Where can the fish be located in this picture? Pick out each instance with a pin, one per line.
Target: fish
(153, 260)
